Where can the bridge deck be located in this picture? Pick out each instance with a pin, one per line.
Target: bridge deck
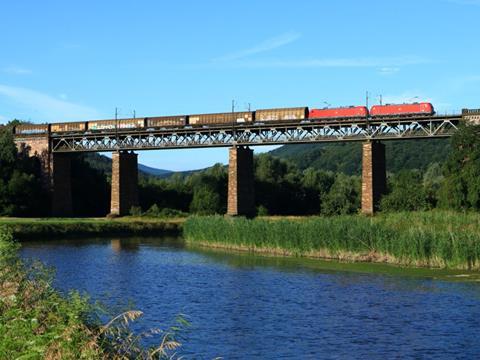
(255, 134)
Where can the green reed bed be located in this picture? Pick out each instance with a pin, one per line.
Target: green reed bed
(437, 239)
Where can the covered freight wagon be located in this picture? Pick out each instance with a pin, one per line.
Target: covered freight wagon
(68, 127)
(31, 129)
(337, 113)
(120, 124)
(393, 110)
(165, 121)
(299, 113)
(221, 118)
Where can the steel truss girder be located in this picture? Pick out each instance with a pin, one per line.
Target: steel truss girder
(276, 134)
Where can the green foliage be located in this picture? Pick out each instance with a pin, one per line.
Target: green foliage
(343, 197)
(408, 193)
(461, 188)
(347, 157)
(262, 211)
(205, 201)
(443, 239)
(21, 191)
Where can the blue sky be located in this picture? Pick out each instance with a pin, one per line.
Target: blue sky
(66, 61)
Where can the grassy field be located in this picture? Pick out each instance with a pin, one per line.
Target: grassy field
(434, 239)
(32, 228)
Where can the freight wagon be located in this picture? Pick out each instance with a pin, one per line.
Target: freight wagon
(339, 113)
(221, 118)
(120, 124)
(392, 110)
(68, 127)
(31, 129)
(284, 114)
(471, 115)
(165, 121)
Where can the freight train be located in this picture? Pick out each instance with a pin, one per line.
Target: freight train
(298, 114)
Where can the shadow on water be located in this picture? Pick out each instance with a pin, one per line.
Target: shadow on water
(291, 264)
(245, 260)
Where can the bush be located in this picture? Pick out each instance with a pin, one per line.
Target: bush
(343, 197)
(136, 211)
(408, 193)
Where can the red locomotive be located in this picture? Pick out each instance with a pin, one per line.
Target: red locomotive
(395, 110)
(339, 113)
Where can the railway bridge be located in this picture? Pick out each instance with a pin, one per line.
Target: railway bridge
(54, 151)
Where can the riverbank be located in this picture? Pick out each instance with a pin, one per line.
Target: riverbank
(437, 239)
(32, 228)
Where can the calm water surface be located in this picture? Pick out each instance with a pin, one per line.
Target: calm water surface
(248, 307)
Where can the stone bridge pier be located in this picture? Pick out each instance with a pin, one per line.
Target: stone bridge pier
(241, 198)
(374, 178)
(124, 182)
(55, 173)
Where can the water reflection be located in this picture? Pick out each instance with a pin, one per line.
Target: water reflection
(244, 306)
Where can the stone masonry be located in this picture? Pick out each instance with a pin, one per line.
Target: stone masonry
(124, 182)
(374, 179)
(241, 198)
(56, 173)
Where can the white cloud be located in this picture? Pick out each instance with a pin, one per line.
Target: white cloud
(16, 70)
(267, 45)
(380, 62)
(46, 107)
(388, 70)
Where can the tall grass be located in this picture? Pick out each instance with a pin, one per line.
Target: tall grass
(24, 228)
(439, 239)
(37, 322)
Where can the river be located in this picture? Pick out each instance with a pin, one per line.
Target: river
(252, 307)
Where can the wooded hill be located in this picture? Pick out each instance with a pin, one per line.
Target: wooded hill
(346, 157)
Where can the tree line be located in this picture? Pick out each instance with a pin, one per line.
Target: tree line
(282, 186)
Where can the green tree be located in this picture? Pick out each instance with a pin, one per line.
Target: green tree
(205, 201)
(407, 192)
(343, 197)
(432, 181)
(461, 188)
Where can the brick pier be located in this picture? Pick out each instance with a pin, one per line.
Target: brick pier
(55, 172)
(124, 182)
(241, 198)
(374, 179)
